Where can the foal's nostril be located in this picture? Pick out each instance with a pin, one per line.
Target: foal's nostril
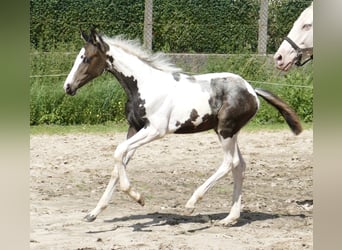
(68, 88)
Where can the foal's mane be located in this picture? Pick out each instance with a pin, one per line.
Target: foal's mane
(157, 60)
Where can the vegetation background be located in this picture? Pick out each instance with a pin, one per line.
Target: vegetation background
(179, 26)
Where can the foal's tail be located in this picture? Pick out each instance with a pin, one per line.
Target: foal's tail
(285, 110)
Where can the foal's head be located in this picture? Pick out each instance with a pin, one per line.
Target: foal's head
(90, 63)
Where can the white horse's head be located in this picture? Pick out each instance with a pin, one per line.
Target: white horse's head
(297, 47)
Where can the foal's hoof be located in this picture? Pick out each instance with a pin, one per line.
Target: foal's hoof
(89, 218)
(141, 201)
(189, 210)
(225, 222)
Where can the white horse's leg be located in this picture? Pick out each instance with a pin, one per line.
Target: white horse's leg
(238, 175)
(229, 146)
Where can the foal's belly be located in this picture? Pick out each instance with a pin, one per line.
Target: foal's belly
(191, 112)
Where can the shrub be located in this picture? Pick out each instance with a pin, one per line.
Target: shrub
(103, 99)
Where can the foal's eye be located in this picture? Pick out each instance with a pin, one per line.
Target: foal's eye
(86, 60)
(307, 26)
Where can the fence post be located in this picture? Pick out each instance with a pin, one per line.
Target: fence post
(263, 16)
(148, 24)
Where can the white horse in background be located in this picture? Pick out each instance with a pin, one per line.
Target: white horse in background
(297, 47)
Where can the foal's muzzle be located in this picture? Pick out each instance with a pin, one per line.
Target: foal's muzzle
(69, 90)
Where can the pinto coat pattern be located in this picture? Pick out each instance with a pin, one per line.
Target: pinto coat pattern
(163, 100)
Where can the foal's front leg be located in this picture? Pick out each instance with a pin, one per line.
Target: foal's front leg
(142, 137)
(121, 156)
(108, 193)
(131, 131)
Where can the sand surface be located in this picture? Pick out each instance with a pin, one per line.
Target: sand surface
(70, 172)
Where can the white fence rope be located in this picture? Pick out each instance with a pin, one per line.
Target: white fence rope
(252, 81)
(282, 84)
(183, 54)
(42, 76)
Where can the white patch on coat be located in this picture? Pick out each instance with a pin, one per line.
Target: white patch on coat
(188, 96)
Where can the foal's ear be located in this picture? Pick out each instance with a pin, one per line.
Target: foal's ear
(84, 36)
(96, 39)
(93, 36)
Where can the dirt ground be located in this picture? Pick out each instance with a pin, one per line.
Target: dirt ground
(69, 174)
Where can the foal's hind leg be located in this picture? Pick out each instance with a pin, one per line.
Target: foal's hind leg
(238, 175)
(230, 160)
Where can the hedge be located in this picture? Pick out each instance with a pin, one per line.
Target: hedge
(179, 26)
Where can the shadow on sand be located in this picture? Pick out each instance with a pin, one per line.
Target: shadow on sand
(207, 220)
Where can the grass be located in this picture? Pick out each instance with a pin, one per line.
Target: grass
(111, 127)
(251, 127)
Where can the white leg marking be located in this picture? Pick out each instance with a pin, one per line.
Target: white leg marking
(128, 157)
(229, 147)
(122, 154)
(238, 175)
(104, 201)
(125, 150)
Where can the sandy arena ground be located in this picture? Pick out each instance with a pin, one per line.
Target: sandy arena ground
(69, 174)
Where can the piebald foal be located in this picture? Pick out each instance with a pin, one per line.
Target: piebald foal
(163, 100)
